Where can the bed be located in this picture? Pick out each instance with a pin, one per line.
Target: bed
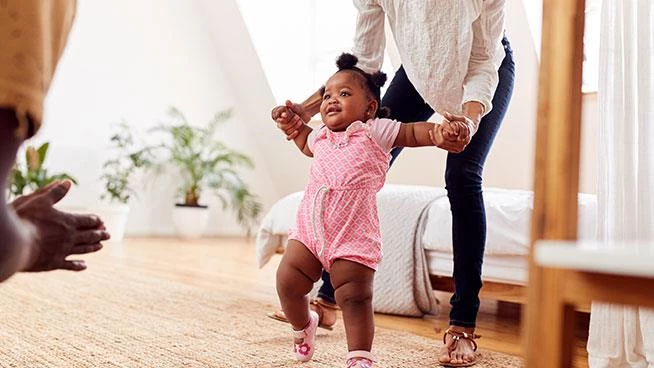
(417, 242)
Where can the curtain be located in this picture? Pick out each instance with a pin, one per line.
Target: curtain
(624, 336)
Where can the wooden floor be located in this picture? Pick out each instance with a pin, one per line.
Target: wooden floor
(229, 264)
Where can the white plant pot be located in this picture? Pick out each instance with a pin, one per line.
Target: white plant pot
(190, 221)
(114, 217)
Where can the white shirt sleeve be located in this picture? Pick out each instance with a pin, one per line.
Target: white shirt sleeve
(369, 39)
(481, 80)
(384, 132)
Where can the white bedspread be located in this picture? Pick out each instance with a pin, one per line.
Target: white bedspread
(417, 218)
(402, 280)
(508, 215)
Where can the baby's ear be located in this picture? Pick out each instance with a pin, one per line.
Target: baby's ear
(373, 105)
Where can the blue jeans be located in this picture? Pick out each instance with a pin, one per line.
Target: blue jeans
(463, 181)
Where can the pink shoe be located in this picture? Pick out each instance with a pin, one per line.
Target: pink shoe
(359, 359)
(304, 350)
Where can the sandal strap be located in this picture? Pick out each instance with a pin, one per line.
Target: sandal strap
(303, 332)
(458, 335)
(323, 304)
(360, 354)
(299, 334)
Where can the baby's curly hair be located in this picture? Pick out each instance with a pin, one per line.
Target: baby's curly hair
(373, 81)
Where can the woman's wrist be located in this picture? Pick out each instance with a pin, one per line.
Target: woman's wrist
(311, 106)
(473, 110)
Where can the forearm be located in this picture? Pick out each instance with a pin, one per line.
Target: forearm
(17, 248)
(311, 105)
(369, 38)
(302, 140)
(474, 110)
(15, 243)
(481, 79)
(414, 135)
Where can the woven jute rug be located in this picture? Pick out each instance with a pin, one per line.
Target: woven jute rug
(115, 316)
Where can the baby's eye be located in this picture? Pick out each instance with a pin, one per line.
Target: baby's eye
(325, 97)
(345, 93)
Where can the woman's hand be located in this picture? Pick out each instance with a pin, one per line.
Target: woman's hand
(289, 119)
(463, 126)
(443, 136)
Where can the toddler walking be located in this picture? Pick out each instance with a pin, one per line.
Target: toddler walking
(337, 227)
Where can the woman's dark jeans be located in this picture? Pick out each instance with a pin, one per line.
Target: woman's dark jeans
(463, 181)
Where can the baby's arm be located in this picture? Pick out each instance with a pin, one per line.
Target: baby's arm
(302, 140)
(415, 135)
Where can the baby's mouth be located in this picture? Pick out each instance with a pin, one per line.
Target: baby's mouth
(333, 110)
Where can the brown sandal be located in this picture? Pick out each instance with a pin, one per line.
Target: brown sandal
(456, 337)
(316, 304)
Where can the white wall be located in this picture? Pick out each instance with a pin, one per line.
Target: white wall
(133, 59)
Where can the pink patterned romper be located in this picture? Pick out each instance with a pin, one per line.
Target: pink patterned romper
(337, 217)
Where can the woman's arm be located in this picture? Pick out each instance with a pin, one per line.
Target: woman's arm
(369, 44)
(369, 39)
(481, 80)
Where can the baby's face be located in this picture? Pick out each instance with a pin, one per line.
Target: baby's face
(345, 101)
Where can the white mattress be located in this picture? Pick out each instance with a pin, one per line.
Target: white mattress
(508, 214)
(507, 269)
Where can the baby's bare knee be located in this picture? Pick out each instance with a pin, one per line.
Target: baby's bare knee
(354, 293)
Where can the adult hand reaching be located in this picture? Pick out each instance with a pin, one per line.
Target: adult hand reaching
(58, 234)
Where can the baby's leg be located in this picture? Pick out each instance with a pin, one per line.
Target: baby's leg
(353, 283)
(297, 272)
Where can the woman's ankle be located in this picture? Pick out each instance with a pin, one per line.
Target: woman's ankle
(461, 328)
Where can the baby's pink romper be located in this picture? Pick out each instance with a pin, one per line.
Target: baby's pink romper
(337, 217)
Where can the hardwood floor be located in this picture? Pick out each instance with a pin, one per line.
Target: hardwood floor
(229, 265)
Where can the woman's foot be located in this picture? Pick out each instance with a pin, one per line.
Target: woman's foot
(327, 313)
(304, 340)
(459, 347)
(359, 359)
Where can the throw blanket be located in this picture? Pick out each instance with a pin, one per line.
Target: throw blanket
(402, 283)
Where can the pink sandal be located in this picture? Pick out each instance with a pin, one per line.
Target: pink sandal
(359, 359)
(304, 350)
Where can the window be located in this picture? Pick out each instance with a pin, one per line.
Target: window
(298, 42)
(591, 38)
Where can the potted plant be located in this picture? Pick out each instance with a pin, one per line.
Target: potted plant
(117, 172)
(204, 165)
(31, 175)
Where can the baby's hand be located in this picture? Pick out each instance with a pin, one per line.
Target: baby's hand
(287, 120)
(462, 125)
(442, 136)
(450, 130)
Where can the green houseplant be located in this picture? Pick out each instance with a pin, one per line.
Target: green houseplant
(117, 175)
(119, 168)
(205, 165)
(31, 175)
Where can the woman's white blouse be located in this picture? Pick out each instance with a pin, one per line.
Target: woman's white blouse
(450, 49)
